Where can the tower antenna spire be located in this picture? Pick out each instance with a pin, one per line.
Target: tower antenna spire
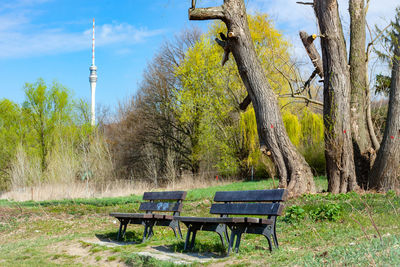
(93, 81)
(93, 45)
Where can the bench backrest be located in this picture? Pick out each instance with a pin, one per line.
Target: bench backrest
(163, 201)
(252, 202)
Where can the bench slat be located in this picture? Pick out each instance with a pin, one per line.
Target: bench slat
(169, 195)
(223, 220)
(201, 220)
(273, 195)
(274, 209)
(161, 206)
(131, 215)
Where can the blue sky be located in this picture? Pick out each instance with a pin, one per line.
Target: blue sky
(52, 39)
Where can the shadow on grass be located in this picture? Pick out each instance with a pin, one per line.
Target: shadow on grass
(130, 238)
(198, 252)
(212, 249)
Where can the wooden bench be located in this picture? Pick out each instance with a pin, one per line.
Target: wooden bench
(157, 202)
(239, 203)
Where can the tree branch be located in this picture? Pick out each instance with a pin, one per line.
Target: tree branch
(305, 3)
(224, 44)
(308, 82)
(206, 13)
(370, 44)
(245, 103)
(312, 52)
(306, 99)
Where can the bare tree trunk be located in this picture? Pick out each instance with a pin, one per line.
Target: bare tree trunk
(364, 153)
(385, 174)
(294, 172)
(338, 144)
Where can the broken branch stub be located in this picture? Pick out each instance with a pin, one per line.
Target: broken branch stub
(245, 103)
(206, 13)
(312, 52)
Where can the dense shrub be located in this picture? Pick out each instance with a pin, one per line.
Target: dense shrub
(316, 212)
(323, 212)
(294, 214)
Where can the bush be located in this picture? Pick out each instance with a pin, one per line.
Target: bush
(320, 212)
(330, 212)
(294, 214)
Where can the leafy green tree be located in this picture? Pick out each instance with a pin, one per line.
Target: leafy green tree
(47, 110)
(203, 108)
(208, 99)
(12, 130)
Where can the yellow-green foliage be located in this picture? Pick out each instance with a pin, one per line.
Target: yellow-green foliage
(312, 127)
(11, 130)
(312, 140)
(293, 127)
(203, 107)
(248, 128)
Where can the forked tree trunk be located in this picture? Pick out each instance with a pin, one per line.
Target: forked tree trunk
(364, 153)
(338, 144)
(294, 172)
(385, 174)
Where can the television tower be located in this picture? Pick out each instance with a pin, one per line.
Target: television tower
(93, 81)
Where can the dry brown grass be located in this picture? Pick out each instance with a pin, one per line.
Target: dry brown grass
(87, 171)
(78, 189)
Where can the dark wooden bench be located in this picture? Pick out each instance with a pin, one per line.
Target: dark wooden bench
(163, 202)
(253, 202)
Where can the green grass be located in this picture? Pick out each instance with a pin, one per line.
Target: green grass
(343, 229)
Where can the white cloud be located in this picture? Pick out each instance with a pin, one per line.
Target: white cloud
(20, 38)
(16, 44)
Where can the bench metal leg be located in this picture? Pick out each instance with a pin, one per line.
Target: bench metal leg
(275, 238)
(151, 233)
(176, 228)
(190, 238)
(236, 233)
(180, 231)
(269, 242)
(173, 229)
(119, 231)
(187, 237)
(232, 239)
(122, 229)
(148, 230)
(238, 237)
(223, 234)
(269, 233)
(145, 233)
(226, 233)
(193, 239)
